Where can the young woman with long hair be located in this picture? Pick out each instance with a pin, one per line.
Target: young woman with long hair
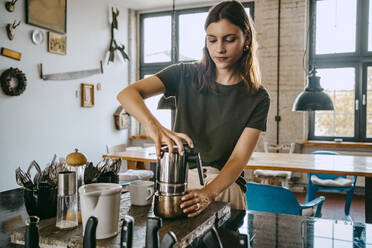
(221, 107)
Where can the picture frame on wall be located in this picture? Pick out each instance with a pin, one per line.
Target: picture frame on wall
(48, 14)
(57, 43)
(87, 95)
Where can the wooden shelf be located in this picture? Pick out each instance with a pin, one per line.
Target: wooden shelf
(338, 144)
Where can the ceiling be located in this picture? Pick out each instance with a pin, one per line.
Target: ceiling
(148, 5)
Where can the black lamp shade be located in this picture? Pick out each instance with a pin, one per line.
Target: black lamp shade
(313, 97)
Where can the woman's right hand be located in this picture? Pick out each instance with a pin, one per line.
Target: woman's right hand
(161, 135)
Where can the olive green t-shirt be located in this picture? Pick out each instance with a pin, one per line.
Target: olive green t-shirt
(214, 121)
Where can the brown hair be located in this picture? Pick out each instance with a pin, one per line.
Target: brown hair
(249, 66)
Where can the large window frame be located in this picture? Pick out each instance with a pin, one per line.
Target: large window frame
(152, 68)
(359, 60)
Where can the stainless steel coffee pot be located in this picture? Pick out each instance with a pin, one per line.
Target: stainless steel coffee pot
(171, 180)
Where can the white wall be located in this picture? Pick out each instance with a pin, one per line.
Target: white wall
(47, 117)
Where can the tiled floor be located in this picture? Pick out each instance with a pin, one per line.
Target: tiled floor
(333, 207)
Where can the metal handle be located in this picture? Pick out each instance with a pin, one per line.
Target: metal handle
(195, 158)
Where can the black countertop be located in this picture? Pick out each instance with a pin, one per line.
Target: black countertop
(185, 229)
(12, 214)
(262, 229)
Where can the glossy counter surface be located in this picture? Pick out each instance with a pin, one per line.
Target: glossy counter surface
(185, 229)
(277, 230)
(262, 229)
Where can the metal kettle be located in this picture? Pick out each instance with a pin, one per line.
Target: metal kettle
(171, 180)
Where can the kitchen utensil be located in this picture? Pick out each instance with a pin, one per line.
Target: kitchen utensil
(141, 192)
(126, 238)
(171, 180)
(152, 235)
(23, 179)
(169, 239)
(89, 240)
(76, 162)
(32, 232)
(67, 211)
(103, 201)
(153, 225)
(108, 177)
(91, 173)
(35, 165)
(211, 239)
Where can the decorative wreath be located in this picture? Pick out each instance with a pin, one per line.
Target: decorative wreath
(6, 78)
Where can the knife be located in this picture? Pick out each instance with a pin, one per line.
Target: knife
(126, 238)
(152, 236)
(89, 240)
(168, 240)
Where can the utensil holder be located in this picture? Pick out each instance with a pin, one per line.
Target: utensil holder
(41, 202)
(108, 177)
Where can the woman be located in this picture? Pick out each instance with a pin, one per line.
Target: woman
(221, 107)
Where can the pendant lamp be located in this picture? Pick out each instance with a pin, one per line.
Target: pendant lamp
(313, 97)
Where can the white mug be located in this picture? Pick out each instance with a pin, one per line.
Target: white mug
(141, 192)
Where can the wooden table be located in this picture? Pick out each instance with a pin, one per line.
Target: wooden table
(296, 162)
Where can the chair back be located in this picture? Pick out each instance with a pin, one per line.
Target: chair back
(115, 149)
(289, 148)
(326, 176)
(273, 199)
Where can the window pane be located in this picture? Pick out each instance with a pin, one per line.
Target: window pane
(335, 26)
(248, 11)
(157, 39)
(192, 36)
(162, 115)
(339, 84)
(370, 27)
(369, 102)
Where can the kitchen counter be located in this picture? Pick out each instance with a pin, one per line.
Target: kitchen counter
(186, 229)
(262, 229)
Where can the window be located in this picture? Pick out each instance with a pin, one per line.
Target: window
(165, 41)
(341, 52)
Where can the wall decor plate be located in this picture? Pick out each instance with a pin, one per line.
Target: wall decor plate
(37, 37)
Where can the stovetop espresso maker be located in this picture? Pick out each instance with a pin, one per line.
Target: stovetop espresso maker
(171, 180)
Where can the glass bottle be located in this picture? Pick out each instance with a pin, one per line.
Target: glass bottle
(67, 208)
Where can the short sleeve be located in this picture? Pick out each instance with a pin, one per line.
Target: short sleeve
(258, 119)
(170, 77)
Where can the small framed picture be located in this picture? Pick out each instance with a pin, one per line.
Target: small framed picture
(57, 43)
(87, 95)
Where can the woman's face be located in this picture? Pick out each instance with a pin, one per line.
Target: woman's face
(225, 42)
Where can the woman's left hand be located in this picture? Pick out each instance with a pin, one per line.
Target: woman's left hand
(194, 202)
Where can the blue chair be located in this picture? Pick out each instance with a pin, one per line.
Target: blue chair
(323, 182)
(277, 199)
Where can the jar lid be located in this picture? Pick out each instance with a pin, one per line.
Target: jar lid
(76, 158)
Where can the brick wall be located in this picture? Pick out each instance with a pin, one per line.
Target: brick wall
(293, 23)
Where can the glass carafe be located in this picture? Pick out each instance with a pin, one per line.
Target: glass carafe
(67, 205)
